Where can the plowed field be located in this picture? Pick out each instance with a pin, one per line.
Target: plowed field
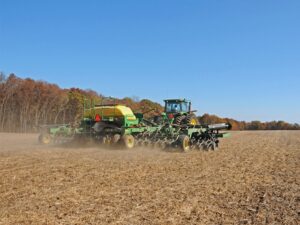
(254, 178)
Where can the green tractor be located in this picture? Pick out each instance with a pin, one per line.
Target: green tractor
(178, 112)
(117, 125)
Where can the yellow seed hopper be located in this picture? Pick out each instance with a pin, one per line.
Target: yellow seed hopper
(110, 111)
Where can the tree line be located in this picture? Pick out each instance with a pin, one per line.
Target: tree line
(253, 125)
(25, 104)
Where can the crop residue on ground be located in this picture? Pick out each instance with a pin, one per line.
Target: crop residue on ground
(252, 179)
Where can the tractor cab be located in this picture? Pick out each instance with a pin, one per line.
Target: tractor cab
(179, 111)
(180, 106)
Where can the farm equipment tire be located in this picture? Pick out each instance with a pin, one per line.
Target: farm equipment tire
(128, 141)
(45, 139)
(184, 143)
(192, 119)
(116, 138)
(179, 119)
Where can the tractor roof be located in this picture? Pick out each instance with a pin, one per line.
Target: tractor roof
(177, 100)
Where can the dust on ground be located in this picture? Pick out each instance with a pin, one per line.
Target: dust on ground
(252, 179)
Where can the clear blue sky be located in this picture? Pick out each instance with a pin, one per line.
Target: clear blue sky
(238, 59)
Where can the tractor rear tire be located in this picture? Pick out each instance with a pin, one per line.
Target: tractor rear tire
(191, 119)
(184, 143)
(45, 139)
(128, 141)
(179, 119)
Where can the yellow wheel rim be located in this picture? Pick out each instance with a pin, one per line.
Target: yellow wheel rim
(129, 141)
(186, 143)
(193, 122)
(45, 139)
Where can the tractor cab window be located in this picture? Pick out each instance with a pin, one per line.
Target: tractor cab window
(184, 107)
(173, 107)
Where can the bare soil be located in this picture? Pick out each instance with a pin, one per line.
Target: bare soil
(254, 178)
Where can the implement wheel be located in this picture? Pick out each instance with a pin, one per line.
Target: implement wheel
(45, 138)
(128, 141)
(116, 138)
(184, 143)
